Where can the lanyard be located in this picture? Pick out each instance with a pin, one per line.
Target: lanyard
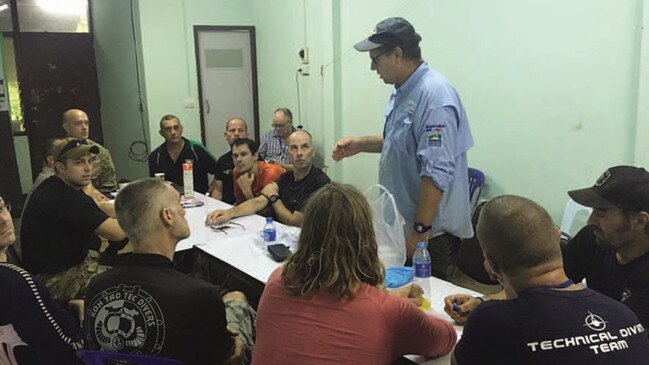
(565, 284)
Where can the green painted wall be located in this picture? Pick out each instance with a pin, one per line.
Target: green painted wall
(556, 91)
(169, 56)
(164, 44)
(283, 27)
(115, 50)
(551, 92)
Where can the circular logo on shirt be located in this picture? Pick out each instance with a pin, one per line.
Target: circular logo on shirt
(125, 319)
(595, 322)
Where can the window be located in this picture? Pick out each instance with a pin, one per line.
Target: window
(65, 16)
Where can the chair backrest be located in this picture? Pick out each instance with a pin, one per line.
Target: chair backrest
(574, 212)
(9, 340)
(476, 182)
(470, 259)
(95, 357)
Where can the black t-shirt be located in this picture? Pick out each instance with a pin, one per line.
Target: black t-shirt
(583, 258)
(224, 168)
(203, 163)
(547, 326)
(144, 305)
(294, 194)
(629, 283)
(58, 227)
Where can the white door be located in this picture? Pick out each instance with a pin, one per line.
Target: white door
(227, 82)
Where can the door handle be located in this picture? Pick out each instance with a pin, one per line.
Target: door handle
(207, 106)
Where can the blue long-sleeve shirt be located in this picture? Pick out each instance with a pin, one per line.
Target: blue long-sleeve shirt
(427, 133)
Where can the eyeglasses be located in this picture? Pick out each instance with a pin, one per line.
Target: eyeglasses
(278, 126)
(223, 227)
(6, 206)
(375, 59)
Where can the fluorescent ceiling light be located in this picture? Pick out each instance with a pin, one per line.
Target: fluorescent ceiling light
(68, 7)
(4, 7)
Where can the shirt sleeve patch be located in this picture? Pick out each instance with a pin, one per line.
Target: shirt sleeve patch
(435, 139)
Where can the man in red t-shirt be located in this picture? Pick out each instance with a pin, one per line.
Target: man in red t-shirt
(250, 174)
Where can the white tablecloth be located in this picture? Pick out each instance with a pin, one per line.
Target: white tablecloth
(244, 250)
(239, 247)
(201, 234)
(439, 289)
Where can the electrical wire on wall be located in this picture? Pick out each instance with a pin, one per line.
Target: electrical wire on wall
(299, 111)
(299, 71)
(139, 150)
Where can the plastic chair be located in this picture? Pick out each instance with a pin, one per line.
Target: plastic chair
(476, 182)
(9, 340)
(95, 357)
(573, 210)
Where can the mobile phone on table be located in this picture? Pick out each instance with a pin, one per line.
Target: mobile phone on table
(279, 252)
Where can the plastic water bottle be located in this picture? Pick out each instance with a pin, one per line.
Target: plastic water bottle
(270, 233)
(421, 261)
(421, 264)
(188, 179)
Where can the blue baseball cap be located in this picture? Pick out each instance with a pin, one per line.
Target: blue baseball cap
(396, 32)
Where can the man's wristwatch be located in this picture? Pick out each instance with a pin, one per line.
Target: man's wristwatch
(273, 198)
(420, 228)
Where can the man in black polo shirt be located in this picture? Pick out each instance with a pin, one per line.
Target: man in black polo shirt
(169, 157)
(288, 196)
(61, 223)
(223, 184)
(145, 306)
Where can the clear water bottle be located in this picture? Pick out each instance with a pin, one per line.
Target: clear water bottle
(270, 233)
(188, 179)
(422, 264)
(421, 261)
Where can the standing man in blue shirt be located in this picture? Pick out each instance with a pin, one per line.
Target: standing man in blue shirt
(423, 148)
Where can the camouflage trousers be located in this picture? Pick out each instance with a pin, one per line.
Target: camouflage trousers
(72, 283)
(241, 318)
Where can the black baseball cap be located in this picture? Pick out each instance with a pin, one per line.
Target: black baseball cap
(73, 148)
(624, 187)
(396, 32)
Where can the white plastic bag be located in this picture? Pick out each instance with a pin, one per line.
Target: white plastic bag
(388, 226)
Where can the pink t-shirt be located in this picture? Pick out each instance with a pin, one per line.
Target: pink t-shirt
(373, 328)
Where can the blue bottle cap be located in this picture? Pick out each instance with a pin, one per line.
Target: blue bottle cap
(422, 244)
(269, 219)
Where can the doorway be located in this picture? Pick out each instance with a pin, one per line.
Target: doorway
(57, 72)
(227, 79)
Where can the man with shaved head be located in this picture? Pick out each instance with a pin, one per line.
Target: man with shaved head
(223, 189)
(145, 306)
(290, 193)
(546, 318)
(170, 156)
(77, 125)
